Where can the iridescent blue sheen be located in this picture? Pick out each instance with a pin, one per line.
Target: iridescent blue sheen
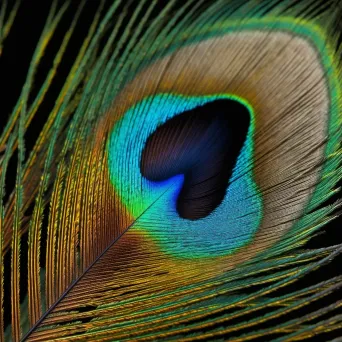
(230, 226)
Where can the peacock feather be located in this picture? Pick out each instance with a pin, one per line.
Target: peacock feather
(169, 187)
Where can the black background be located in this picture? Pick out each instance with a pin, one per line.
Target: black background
(17, 52)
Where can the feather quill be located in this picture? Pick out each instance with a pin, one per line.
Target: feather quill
(109, 256)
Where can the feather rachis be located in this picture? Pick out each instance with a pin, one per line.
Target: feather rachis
(102, 237)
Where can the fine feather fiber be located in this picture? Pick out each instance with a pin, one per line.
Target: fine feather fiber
(170, 170)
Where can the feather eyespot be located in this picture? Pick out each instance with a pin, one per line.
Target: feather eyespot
(165, 169)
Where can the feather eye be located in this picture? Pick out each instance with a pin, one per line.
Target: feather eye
(184, 165)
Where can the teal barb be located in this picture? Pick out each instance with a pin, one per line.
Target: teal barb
(191, 239)
(185, 164)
